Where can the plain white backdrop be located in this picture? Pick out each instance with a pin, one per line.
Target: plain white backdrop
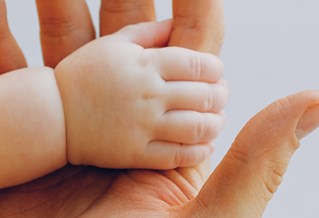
(270, 51)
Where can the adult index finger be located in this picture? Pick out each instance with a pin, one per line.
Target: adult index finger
(11, 57)
(65, 26)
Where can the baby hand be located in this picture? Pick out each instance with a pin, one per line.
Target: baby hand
(130, 105)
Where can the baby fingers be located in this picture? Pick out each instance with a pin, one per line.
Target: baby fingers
(167, 155)
(196, 96)
(179, 64)
(188, 127)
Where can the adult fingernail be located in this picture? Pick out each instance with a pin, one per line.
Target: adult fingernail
(308, 122)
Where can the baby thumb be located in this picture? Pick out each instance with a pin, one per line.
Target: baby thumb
(147, 34)
(251, 171)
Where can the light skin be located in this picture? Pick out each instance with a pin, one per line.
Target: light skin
(30, 109)
(122, 105)
(62, 38)
(140, 107)
(245, 173)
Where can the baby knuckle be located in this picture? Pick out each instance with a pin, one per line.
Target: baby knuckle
(214, 130)
(220, 98)
(199, 130)
(224, 97)
(178, 157)
(213, 66)
(196, 66)
(209, 100)
(219, 65)
(200, 157)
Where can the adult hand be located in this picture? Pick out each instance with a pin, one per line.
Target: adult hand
(66, 24)
(240, 187)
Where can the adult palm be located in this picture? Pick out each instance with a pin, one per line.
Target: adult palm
(242, 184)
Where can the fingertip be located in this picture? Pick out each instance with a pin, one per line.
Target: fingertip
(222, 113)
(308, 122)
(219, 64)
(224, 83)
(195, 154)
(215, 67)
(180, 64)
(166, 22)
(210, 66)
(189, 127)
(221, 101)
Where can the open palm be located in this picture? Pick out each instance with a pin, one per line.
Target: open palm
(93, 192)
(241, 186)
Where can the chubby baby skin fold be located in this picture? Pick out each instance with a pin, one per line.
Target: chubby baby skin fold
(121, 103)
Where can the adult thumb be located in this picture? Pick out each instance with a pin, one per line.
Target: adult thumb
(251, 171)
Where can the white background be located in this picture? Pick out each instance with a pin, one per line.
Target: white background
(270, 51)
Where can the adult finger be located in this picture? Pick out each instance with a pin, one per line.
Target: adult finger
(115, 14)
(198, 25)
(253, 168)
(11, 57)
(65, 26)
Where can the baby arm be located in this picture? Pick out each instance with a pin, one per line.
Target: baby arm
(32, 129)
